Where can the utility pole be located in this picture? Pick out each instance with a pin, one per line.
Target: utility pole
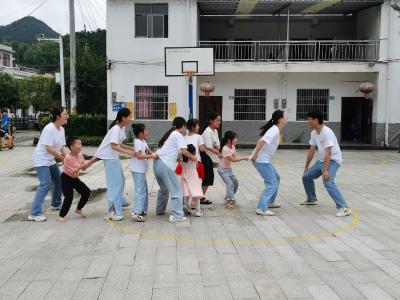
(72, 47)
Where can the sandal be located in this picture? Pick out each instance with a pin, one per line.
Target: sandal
(137, 218)
(205, 201)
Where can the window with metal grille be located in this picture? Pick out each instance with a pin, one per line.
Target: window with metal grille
(250, 104)
(312, 99)
(151, 102)
(151, 20)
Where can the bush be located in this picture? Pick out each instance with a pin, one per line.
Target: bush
(90, 127)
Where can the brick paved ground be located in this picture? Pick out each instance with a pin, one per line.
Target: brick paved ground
(302, 252)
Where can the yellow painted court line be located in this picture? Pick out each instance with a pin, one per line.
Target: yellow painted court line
(171, 237)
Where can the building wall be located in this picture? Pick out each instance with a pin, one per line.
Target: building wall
(140, 61)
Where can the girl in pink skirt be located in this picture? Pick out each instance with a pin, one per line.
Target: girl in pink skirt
(191, 183)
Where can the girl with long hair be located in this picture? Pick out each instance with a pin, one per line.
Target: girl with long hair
(228, 152)
(261, 156)
(109, 151)
(170, 146)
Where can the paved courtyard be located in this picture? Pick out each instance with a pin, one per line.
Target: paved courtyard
(301, 253)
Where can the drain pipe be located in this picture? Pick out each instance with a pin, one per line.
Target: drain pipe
(388, 79)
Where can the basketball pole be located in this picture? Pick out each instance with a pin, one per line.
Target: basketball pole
(190, 89)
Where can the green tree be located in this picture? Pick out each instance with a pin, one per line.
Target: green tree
(43, 56)
(39, 92)
(8, 90)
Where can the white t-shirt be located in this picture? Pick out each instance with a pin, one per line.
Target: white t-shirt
(196, 140)
(50, 136)
(169, 152)
(325, 139)
(271, 139)
(139, 165)
(116, 135)
(211, 140)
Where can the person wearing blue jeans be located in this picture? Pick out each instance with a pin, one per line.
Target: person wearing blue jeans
(115, 181)
(170, 146)
(139, 166)
(108, 151)
(327, 165)
(271, 181)
(262, 155)
(48, 177)
(169, 184)
(51, 145)
(315, 172)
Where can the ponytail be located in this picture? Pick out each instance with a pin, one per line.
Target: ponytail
(228, 136)
(122, 113)
(276, 116)
(177, 123)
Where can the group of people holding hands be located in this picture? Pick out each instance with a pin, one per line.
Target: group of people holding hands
(183, 166)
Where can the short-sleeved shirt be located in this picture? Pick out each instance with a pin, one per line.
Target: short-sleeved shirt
(71, 163)
(50, 136)
(326, 139)
(169, 152)
(226, 152)
(116, 135)
(196, 140)
(271, 139)
(5, 122)
(211, 140)
(139, 165)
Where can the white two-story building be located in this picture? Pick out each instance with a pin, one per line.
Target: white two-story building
(269, 54)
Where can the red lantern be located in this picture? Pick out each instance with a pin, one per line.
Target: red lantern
(207, 88)
(366, 88)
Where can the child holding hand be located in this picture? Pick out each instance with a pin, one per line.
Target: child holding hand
(74, 162)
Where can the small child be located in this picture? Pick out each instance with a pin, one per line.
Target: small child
(73, 163)
(139, 167)
(191, 183)
(228, 152)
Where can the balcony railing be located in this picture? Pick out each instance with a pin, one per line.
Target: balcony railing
(281, 51)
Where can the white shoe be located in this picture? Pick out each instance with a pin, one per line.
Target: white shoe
(137, 218)
(172, 219)
(55, 208)
(117, 218)
(274, 205)
(198, 213)
(264, 213)
(109, 216)
(40, 218)
(309, 202)
(343, 212)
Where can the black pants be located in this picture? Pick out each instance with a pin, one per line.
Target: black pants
(68, 184)
(208, 169)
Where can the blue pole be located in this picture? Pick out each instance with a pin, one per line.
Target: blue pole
(190, 98)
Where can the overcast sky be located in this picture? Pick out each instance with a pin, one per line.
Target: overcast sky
(55, 13)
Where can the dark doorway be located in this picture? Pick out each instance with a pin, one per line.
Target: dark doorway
(208, 105)
(356, 120)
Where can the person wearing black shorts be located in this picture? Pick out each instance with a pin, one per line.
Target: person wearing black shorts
(211, 156)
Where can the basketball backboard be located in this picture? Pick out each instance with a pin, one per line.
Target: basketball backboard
(179, 61)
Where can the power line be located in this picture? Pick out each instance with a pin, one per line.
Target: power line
(98, 10)
(82, 15)
(90, 13)
(20, 9)
(39, 6)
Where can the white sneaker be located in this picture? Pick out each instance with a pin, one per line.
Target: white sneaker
(309, 202)
(343, 212)
(53, 208)
(198, 213)
(172, 219)
(274, 205)
(117, 218)
(109, 216)
(264, 213)
(40, 218)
